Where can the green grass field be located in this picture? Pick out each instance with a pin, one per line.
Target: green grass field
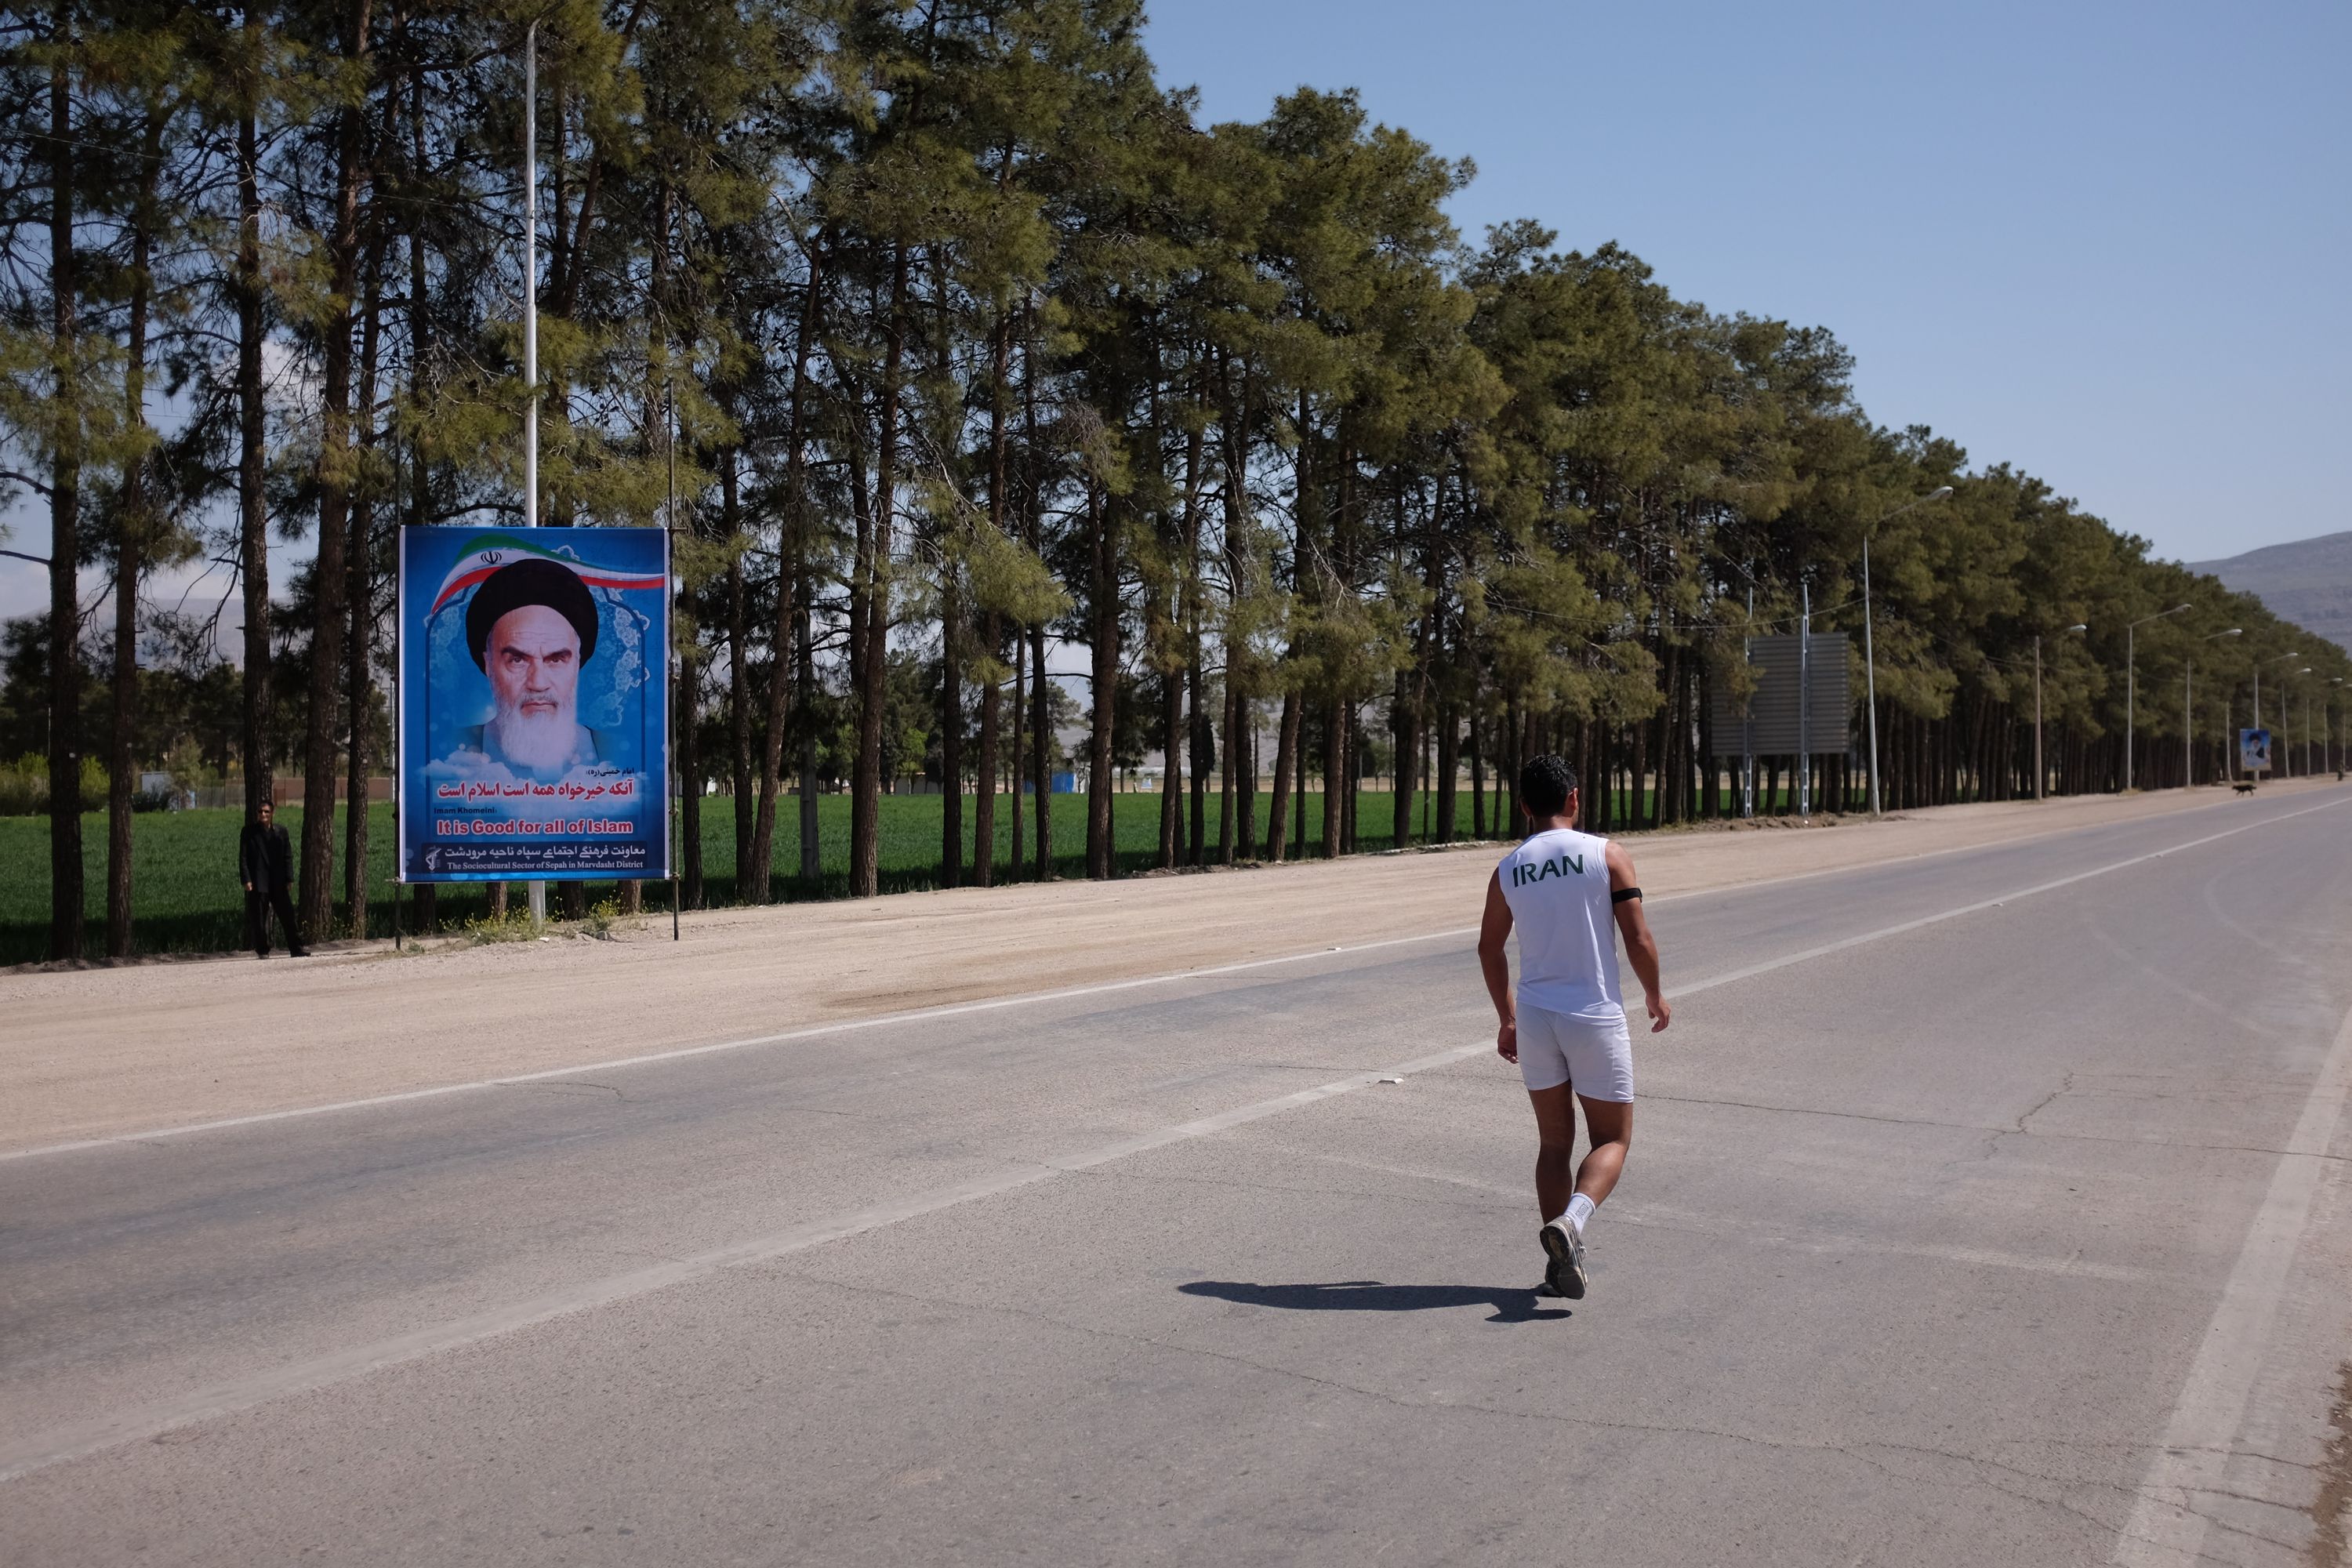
(187, 899)
(184, 863)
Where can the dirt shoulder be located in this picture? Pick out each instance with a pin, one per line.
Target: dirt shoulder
(95, 1053)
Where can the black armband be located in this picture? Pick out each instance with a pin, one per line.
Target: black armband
(1622, 894)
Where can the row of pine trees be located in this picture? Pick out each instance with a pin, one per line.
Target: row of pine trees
(947, 332)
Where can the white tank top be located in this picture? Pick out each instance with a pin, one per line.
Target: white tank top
(1557, 884)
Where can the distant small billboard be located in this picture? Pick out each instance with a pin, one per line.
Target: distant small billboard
(2254, 750)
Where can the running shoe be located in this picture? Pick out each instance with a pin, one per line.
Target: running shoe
(1565, 1273)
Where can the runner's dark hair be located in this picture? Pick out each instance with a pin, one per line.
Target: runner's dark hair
(1545, 785)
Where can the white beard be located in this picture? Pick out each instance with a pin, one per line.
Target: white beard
(536, 743)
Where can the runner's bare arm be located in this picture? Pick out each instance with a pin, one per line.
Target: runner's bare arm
(1641, 947)
(1494, 930)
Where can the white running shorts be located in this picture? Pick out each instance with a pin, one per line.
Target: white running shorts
(1596, 1055)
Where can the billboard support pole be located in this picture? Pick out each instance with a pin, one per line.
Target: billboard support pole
(399, 839)
(531, 274)
(669, 709)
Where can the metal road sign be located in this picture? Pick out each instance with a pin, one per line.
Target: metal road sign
(1771, 725)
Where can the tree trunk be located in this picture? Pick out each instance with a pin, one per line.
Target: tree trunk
(133, 533)
(1018, 765)
(873, 585)
(252, 523)
(1041, 701)
(688, 723)
(1298, 787)
(1040, 757)
(984, 812)
(428, 902)
(1203, 741)
(812, 847)
(1638, 764)
(782, 637)
(1245, 775)
(1180, 847)
(359, 595)
(1228, 771)
(1286, 763)
(1408, 746)
(950, 734)
(1171, 770)
(1478, 778)
(1335, 783)
(983, 769)
(1101, 847)
(748, 838)
(65, 541)
(1357, 773)
(329, 587)
(1507, 766)
(1449, 764)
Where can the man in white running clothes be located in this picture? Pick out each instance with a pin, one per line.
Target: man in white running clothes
(1562, 889)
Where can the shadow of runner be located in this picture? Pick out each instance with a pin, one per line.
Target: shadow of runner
(1511, 1305)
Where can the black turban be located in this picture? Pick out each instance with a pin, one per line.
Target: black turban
(530, 581)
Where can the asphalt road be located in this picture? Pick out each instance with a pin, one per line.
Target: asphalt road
(1993, 1207)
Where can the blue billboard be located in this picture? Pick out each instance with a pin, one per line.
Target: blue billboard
(2254, 750)
(534, 711)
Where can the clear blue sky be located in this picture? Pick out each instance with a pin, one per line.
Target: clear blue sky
(2109, 244)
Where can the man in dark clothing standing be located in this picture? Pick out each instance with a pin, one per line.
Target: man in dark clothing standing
(264, 864)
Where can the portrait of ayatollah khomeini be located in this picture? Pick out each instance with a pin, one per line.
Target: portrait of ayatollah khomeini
(530, 626)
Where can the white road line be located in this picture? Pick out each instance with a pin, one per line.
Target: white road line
(1982, 904)
(79, 1439)
(2166, 1530)
(812, 1031)
(41, 1450)
(1029, 998)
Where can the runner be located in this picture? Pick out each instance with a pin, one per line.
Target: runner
(1567, 1031)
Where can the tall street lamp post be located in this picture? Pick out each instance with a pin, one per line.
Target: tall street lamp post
(1869, 653)
(537, 889)
(2131, 684)
(2284, 770)
(2307, 719)
(2188, 712)
(2041, 775)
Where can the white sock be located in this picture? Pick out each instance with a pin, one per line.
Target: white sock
(1579, 1212)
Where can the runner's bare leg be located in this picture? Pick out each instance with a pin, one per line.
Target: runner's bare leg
(1556, 1145)
(1609, 1124)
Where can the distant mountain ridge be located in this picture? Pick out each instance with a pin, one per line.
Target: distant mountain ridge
(2308, 581)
